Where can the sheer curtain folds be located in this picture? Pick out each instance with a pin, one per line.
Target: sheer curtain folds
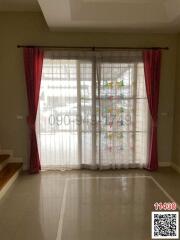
(33, 62)
(93, 110)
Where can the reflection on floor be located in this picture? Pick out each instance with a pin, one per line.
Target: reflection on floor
(105, 205)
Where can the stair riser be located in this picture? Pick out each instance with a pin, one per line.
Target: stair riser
(3, 164)
(9, 183)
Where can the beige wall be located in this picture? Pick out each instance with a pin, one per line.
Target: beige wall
(27, 28)
(176, 143)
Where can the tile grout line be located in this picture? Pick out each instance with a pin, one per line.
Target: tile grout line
(141, 176)
(62, 212)
(164, 191)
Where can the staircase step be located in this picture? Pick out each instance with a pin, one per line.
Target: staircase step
(3, 158)
(8, 175)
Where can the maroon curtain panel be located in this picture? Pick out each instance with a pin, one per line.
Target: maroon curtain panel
(152, 68)
(33, 62)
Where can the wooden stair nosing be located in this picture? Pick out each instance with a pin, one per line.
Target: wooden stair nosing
(7, 173)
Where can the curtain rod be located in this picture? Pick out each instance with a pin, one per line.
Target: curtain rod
(92, 48)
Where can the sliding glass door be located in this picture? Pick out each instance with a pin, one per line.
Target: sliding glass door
(93, 113)
(123, 114)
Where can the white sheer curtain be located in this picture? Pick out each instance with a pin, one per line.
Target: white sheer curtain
(93, 110)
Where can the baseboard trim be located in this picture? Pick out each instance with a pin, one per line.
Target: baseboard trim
(25, 165)
(175, 167)
(164, 164)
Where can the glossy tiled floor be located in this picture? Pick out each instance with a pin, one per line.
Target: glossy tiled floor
(88, 206)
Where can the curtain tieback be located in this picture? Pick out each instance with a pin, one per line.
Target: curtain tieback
(31, 123)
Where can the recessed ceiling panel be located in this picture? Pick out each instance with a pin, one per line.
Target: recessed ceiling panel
(117, 13)
(111, 14)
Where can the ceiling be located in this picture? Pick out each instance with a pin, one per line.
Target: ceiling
(19, 5)
(103, 15)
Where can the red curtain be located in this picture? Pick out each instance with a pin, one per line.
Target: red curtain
(152, 67)
(33, 62)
